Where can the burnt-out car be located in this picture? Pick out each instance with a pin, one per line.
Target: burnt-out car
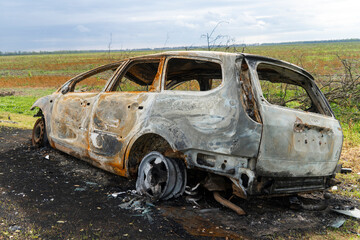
(261, 124)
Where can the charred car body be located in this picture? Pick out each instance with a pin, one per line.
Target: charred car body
(261, 123)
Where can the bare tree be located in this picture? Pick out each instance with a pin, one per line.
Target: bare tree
(188, 48)
(343, 88)
(109, 45)
(167, 39)
(212, 40)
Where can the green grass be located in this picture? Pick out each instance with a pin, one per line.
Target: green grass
(350, 185)
(16, 108)
(17, 104)
(21, 104)
(349, 120)
(351, 132)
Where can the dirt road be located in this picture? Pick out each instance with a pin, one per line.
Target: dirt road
(46, 194)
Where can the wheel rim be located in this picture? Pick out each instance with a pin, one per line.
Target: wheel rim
(38, 132)
(160, 177)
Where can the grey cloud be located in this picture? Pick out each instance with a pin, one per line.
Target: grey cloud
(69, 24)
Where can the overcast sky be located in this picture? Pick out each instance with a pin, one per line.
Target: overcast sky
(49, 25)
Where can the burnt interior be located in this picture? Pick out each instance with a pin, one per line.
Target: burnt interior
(180, 70)
(142, 73)
(139, 76)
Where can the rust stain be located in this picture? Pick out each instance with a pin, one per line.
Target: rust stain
(120, 172)
(156, 85)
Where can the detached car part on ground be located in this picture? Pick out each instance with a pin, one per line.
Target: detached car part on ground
(260, 125)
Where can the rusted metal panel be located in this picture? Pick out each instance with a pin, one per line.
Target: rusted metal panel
(288, 151)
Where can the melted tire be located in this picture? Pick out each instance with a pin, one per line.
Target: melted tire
(160, 177)
(39, 137)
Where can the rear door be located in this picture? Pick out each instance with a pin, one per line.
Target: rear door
(119, 113)
(300, 135)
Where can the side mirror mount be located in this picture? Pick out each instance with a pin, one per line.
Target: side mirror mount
(65, 90)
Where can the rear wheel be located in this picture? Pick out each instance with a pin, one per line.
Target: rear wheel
(39, 137)
(160, 177)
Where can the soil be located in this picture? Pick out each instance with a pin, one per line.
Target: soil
(47, 194)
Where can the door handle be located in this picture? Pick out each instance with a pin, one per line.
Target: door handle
(84, 103)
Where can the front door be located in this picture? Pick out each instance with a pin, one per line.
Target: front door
(73, 107)
(70, 122)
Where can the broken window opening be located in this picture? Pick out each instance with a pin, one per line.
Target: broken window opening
(138, 77)
(95, 82)
(247, 97)
(192, 75)
(287, 88)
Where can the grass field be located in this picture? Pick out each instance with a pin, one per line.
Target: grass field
(33, 76)
(29, 77)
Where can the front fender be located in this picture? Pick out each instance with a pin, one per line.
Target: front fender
(45, 104)
(41, 103)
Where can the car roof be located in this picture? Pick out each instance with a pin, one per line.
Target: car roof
(220, 55)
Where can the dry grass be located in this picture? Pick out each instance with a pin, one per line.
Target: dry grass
(350, 156)
(41, 82)
(34, 81)
(16, 120)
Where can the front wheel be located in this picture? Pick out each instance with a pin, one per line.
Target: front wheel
(39, 137)
(160, 177)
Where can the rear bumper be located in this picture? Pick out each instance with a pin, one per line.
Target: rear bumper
(274, 186)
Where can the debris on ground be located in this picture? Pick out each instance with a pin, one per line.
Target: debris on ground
(338, 222)
(139, 204)
(14, 228)
(296, 203)
(348, 211)
(91, 183)
(346, 170)
(227, 203)
(116, 194)
(193, 195)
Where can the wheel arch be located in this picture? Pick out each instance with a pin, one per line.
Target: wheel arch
(45, 107)
(144, 143)
(40, 103)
